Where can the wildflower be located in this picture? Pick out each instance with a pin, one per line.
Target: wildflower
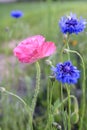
(71, 24)
(66, 73)
(33, 49)
(16, 14)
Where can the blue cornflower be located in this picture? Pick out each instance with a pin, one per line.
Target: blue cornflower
(71, 24)
(66, 72)
(16, 14)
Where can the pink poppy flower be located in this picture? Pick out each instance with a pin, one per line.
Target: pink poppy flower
(33, 49)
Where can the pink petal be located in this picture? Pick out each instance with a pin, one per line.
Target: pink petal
(34, 48)
(47, 49)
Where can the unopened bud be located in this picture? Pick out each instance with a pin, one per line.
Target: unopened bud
(48, 62)
(2, 89)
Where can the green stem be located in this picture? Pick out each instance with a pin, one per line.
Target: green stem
(62, 52)
(62, 104)
(49, 103)
(76, 109)
(83, 89)
(36, 89)
(66, 99)
(69, 107)
(68, 46)
(48, 100)
(12, 94)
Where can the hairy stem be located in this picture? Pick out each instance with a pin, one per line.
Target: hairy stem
(36, 89)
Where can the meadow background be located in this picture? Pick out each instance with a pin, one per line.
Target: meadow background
(39, 18)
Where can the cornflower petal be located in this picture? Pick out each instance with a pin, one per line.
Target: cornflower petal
(66, 73)
(16, 14)
(71, 24)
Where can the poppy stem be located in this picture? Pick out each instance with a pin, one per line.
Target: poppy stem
(36, 89)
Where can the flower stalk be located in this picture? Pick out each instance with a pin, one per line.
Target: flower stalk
(69, 107)
(36, 89)
(49, 104)
(83, 88)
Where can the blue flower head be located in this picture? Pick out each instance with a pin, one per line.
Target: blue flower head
(71, 24)
(16, 14)
(66, 73)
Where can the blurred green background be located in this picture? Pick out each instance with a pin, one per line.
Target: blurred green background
(39, 18)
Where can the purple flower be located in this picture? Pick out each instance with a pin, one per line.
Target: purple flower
(16, 14)
(66, 73)
(71, 24)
